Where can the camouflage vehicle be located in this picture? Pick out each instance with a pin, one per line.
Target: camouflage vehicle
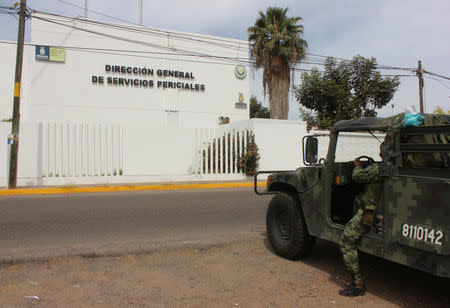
(413, 215)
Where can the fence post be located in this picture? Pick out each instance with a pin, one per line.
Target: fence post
(55, 161)
(106, 149)
(219, 150)
(235, 150)
(227, 150)
(215, 150)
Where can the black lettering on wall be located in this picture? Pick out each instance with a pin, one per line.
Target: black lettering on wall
(141, 72)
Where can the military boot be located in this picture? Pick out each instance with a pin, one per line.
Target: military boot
(354, 289)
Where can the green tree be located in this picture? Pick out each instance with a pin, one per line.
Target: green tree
(439, 110)
(257, 110)
(276, 45)
(346, 90)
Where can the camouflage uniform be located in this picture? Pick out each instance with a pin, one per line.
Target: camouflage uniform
(364, 218)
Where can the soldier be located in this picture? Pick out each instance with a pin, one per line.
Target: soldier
(360, 223)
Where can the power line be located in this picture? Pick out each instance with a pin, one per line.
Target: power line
(100, 23)
(175, 34)
(437, 75)
(8, 8)
(192, 37)
(174, 51)
(142, 54)
(98, 13)
(379, 66)
(8, 12)
(168, 35)
(179, 51)
(397, 75)
(154, 29)
(439, 81)
(150, 55)
(163, 33)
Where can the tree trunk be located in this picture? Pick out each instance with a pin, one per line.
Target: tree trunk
(279, 82)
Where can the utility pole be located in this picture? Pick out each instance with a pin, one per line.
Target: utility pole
(419, 74)
(140, 12)
(86, 9)
(12, 181)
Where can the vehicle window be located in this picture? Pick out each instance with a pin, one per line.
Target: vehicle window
(417, 151)
(352, 145)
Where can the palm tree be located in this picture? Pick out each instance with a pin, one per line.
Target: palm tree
(276, 45)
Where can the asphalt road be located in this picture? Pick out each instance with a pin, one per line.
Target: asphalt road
(42, 227)
(47, 226)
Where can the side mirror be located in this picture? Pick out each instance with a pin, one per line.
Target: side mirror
(311, 149)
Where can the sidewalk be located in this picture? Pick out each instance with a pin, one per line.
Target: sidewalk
(127, 187)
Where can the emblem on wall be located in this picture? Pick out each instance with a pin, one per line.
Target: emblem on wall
(241, 97)
(42, 53)
(240, 71)
(240, 104)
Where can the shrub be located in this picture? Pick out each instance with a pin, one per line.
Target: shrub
(226, 154)
(249, 161)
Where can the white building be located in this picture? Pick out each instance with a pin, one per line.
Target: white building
(106, 103)
(126, 74)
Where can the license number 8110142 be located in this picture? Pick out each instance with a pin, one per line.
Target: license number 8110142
(420, 233)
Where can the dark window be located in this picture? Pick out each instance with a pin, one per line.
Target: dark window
(425, 147)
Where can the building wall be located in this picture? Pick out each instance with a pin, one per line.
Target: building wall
(280, 143)
(53, 91)
(30, 155)
(7, 61)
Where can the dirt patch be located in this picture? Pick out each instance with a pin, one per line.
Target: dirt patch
(244, 274)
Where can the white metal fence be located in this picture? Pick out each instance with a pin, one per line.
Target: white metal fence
(218, 150)
(82, 149)
(82, 153)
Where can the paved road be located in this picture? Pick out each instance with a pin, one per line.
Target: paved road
(38, 227)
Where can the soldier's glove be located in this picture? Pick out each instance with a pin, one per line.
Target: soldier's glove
(368, 216)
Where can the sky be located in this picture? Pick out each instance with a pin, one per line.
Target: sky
(397, 33)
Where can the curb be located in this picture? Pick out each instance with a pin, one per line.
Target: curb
(71, 190)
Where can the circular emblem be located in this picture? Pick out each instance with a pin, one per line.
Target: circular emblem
(240, 71)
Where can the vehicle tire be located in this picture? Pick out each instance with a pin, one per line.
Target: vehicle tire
(286, 227)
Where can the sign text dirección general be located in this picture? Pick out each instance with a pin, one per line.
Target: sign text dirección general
(129, 81)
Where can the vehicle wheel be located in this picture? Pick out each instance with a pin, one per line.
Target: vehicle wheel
(286, 227)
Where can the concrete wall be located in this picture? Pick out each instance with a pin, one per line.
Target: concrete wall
(7, 60)
(168, 155)
(30, 154)
(280, 143)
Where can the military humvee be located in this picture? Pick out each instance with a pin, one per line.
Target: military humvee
(413, 215)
